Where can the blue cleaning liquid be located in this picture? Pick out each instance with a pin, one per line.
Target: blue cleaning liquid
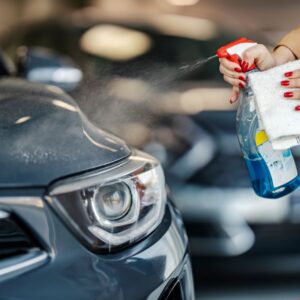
(273, 173)
(262, 181)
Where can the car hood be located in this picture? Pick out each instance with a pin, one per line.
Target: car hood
(44, 136)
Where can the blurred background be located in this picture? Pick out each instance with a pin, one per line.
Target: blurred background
(128, 64)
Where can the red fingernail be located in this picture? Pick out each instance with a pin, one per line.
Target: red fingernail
(238, 70)
(285, 82)
(288, 94)
(288, 74)
(297, 107)
(241, 85)
(242, 78)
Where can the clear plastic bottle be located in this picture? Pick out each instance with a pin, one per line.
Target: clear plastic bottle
(273, 173)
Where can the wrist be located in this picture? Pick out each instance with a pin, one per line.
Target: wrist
(282, 55)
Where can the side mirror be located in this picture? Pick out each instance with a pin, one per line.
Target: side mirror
(44, 66)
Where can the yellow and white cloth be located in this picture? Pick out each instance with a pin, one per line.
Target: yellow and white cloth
(276, 113)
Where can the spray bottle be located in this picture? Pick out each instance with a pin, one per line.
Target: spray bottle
(273, 173)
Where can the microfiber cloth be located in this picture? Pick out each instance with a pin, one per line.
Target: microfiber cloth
(276, 113)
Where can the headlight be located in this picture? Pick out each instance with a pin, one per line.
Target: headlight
(113, 207)
(112, 202)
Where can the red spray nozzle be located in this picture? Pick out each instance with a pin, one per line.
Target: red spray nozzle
(234, 52)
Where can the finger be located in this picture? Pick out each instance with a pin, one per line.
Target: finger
(255, 53)
(235, 82)
(230, 65)
(234, 95)
(293, 95)
(292, 74)
(291, 83)
(232, 74)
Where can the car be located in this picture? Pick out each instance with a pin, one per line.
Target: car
(82, 215)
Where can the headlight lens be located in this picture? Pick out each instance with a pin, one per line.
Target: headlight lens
(111, 202)
(114, 207)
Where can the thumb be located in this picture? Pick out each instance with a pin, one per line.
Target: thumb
(234, 95)
(252, 54)
(259, 55)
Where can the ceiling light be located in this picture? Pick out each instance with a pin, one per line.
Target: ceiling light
(184, 26)
(204, 99)
(130, 89)
(196, 100)
(183, 2)
(115, 42)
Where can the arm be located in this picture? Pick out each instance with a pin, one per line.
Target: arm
(292, 42)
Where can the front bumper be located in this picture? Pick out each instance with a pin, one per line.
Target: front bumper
(152, 269)
(179, 286)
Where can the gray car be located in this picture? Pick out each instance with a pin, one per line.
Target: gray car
(82, 216)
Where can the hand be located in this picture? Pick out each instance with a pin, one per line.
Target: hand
(292, 82)
(232, 72)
